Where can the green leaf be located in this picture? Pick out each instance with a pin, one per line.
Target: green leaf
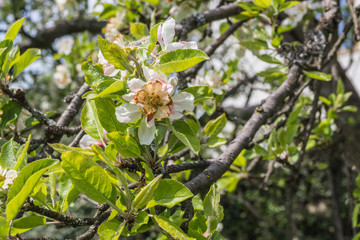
(214, 127)
(355, 215)
(67, 192)
(180, 60)
(325, 100)
(26, 223)
(20, 161)
(24, 184)
(111, 230)
(146, 193)
(171, 228)
(106, 112)
(268, 59)
(61, 148)
(14, 29)
(90, 121)
(109, 11)
(25, 60)
(88, 177)
(118, 86)
(153, 37)
(94, 76)
(5, 48)
(114, 54)
(212, 208)
(11, 111)
(197, 226)
(255, 44)
(340, 87)
(318, 75)
(125, 144)
(142, 218)
(153, 2)
(216, 141)
(11, 57)
(8, 157)
(200, 93)
(287, 5)
(139, 30)
(184, 133)
(169, 193)
(263, 3)
(349, 108)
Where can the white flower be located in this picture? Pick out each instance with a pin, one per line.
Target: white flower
(166, 34)
(9, 176)
(65, 45)
(60, 4)
(62, 76)
(154, 99)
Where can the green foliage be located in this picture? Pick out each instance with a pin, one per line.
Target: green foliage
(180, 60)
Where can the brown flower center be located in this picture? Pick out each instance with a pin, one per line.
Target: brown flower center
(154, 101)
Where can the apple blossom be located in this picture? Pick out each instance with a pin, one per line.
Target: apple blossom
(62, 76)
(151, 100)
(65, 45)
(8, 176)
(166, 34)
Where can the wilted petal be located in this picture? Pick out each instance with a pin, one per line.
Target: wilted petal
(168, 31)
(135, 84)
(127, 113)
(86, 141)
(146, 134)
(183, 101)
(173, 82)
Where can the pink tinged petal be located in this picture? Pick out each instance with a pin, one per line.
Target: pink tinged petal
(150, 123)
(86, 141)
(135, 85)
(110, 70)
(146, 133)
(127, 113)
(183, 101)
(168, 31)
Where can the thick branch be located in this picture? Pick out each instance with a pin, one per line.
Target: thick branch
(45, 38)
(223, 162)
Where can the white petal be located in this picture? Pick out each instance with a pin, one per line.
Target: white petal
(183, 101)
(129, 97)
(146, 134)
(110, 70)
(152, 75)
(102, 59)
(175, 116)
(173, 82)
(86, 141)
(181, 45)
(159, 36)
(127, 113)
(135, 85)
(11, 174)
(168, 31)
